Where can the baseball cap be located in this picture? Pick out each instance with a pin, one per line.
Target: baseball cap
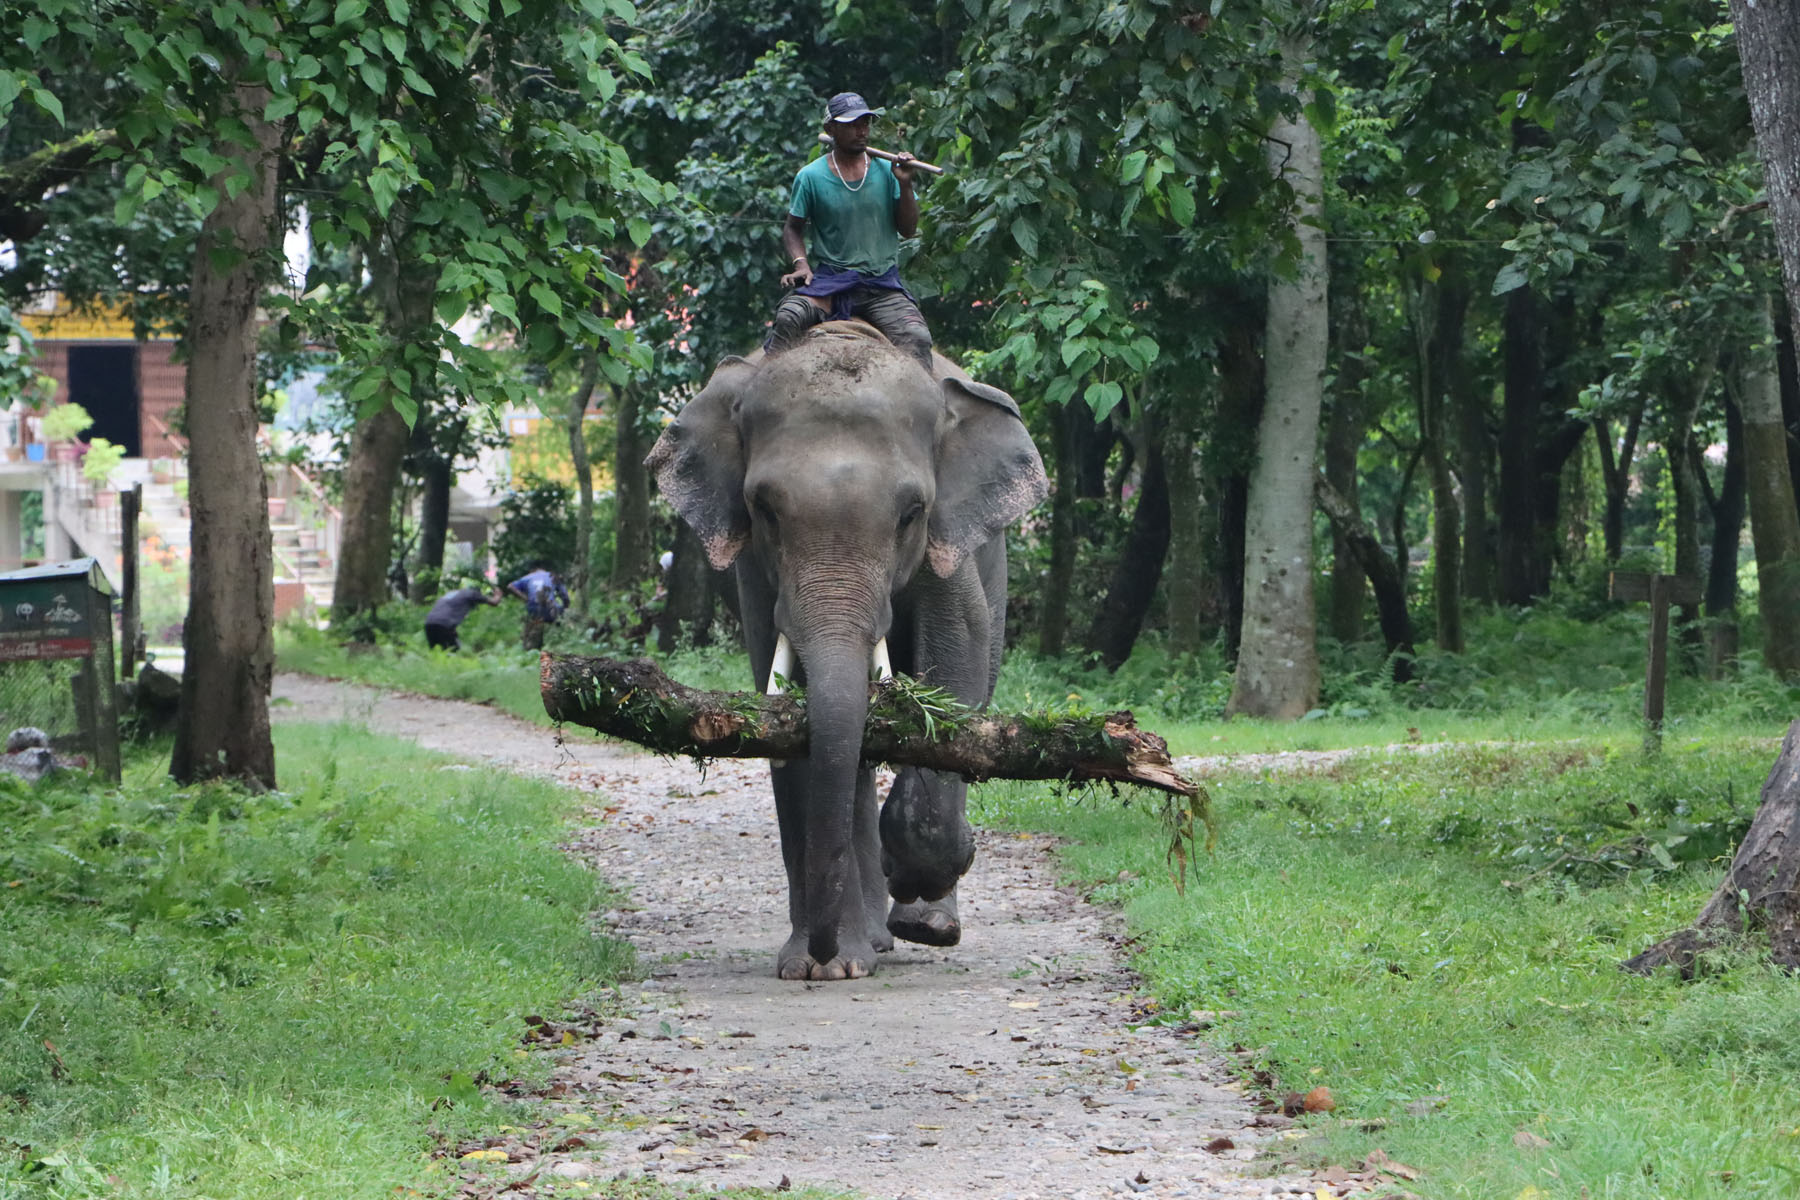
(846, 107)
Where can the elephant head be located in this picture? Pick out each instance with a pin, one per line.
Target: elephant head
(833, 475)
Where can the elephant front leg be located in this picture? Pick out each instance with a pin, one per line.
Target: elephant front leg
(861, 933)
(926, 842)
(927, 922)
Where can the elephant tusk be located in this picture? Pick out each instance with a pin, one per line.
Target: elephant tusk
(782, 667)
(884, 669)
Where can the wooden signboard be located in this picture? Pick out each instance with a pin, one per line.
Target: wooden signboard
(64, 611)
(1660, 591)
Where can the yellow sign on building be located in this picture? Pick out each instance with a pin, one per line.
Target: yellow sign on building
(102, 323)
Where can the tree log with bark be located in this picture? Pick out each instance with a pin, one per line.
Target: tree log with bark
(907, 725)
(1761, 888)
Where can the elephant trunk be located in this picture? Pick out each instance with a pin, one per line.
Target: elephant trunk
(837, 704)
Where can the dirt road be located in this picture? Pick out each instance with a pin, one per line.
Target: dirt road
(1010, 1066)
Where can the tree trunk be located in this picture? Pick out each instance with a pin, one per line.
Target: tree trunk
(1523, 352)
(1231, 453)
(371, 473)
(1441, 347)
(1615, 477)
(1684, 475)
(1774, 521)
(1053, 620)
(1768, 39)
(436, 480)
(1187, 544)
(637, 702)
(1474, 453)
(1727, 509)
(223, 723)
(405, 286)
(631, 492)
(1384, 576)
(690, 597)
(1788, 372)
(584, 480)
(1278, 664)
(1139, 570)
(1344, 431)
(1761, 889)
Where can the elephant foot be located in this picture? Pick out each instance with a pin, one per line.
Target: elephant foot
(851, 962)
(929, 924)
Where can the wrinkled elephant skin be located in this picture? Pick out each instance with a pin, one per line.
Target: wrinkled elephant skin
(856, 498)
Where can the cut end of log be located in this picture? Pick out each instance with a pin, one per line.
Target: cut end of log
(715, 726)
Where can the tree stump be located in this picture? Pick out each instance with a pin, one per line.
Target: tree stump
(1761, 889)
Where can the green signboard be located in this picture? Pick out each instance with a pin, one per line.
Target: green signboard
(48, 618)
(61, 611)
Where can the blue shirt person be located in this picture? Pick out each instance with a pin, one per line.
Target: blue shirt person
(544, 595)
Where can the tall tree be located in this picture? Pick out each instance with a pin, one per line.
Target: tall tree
(405, 285)
(227, 640)
(1774, 520)
(582, 570)
(1278, 664)
(1768, 38)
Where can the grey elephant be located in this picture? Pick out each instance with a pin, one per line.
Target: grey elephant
(862, 506)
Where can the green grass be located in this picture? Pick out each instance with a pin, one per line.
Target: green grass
(1570, 669)
(1360, 924)
(492, 669)
(277, 995)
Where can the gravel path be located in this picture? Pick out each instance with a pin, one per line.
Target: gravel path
(1009, 1066)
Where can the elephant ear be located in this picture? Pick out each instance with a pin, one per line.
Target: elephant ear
(989, 474)
(699, 465)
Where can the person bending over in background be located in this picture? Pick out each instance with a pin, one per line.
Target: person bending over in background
(450, 611)
(545, 598)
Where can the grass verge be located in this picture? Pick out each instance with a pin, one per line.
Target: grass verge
(208, 993)
(1360, 927)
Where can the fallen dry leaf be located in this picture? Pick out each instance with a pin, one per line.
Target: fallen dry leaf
(485, 1156)
(1527, 1140)
(1378, 1160)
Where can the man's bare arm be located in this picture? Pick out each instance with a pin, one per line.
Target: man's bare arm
(906, 209)
(793, 242)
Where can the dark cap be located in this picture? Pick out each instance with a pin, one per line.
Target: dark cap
(846, 107)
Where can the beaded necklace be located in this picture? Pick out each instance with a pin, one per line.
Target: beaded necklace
(831, 157)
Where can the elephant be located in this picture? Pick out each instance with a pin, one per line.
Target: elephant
(861, 505)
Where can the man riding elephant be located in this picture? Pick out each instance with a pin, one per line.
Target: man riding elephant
(856, 208)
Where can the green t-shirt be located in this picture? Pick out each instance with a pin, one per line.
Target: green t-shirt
(853, 229)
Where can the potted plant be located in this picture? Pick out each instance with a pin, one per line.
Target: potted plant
(101, 460)
(62, 424)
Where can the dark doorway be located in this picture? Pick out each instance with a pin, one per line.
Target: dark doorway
(103, 380)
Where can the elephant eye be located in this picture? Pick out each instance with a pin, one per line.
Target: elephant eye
(765, 512)
(912, 515)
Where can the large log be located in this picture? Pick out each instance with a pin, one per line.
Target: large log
(1761, 888)
(907, 726)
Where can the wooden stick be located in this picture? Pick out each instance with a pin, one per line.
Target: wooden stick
(888, 156)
